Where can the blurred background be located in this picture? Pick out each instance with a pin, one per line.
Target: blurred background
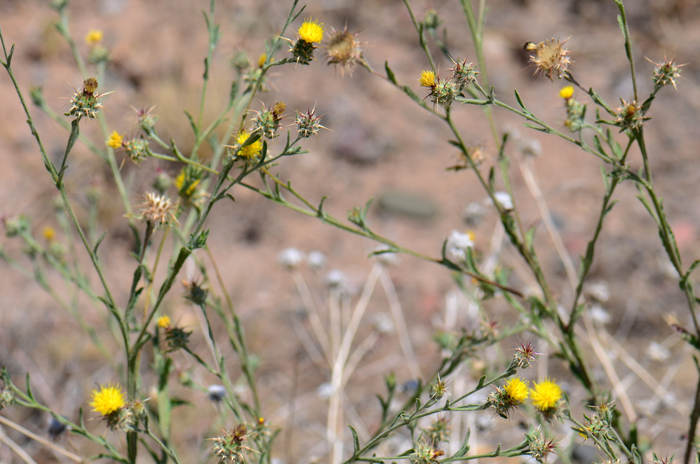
(381, 145)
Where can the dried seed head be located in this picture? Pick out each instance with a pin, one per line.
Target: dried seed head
(157, 209)
(343, 50)
(550, 58)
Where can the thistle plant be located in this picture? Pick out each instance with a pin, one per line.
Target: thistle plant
(243, 149)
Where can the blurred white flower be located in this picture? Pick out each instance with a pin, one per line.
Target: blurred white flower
(290, 258)
(458, 243)
(600, 315)
(504, 199)
(598, 290)
(657, 352)
(473, 214)
(325, 390)
(530, 147)
(216, 393)
(382, 323)
(316, 260)
(335, 278)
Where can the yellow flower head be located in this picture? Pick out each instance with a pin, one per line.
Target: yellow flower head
(427, 79)
(48, 233)
(517, 389)
(249, 151)
(262, 60)
(164, 322)
(567, 92)
(115, 140)
(93, 37)
(108, 399)
(311, 31)
(545, 395)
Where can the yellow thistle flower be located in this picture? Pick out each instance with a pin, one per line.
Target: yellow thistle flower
(311, 31)
(567, 92)
(250, 151)
(262, 60)
(427, 79)
(115, 140)
(48, 233)
(93, 37)
(545, 395)
(163, 322)
(517, 390)
(108, 399)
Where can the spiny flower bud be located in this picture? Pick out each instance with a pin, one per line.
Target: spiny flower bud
(424, 453)
(438, 431)
(539, 445)
(599, 424)
(630, 116)
(438, 389)
(308, 124)
(240, 61)
(464, 74)
(665, 73)
(524, 355)
(137, 149)
(195, 292)
(7, 397)
(146, 119)
(85, 101)
(175, 339)
(431, 20)
(229, 447)
(268, 120)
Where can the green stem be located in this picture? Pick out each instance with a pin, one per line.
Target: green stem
(421, 37)
(628, 45)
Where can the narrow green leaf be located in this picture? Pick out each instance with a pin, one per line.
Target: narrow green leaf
(408, 91)
(355, 440)
(621, 23)
(193, 125)
(29, 388)
(465, 446)
(390, 74)
(520, 101)
(99, 241)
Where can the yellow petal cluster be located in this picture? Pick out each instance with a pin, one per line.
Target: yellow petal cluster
(427, 79)
(311, 31)
(107, 399)
(545, 395)
(517, 390)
